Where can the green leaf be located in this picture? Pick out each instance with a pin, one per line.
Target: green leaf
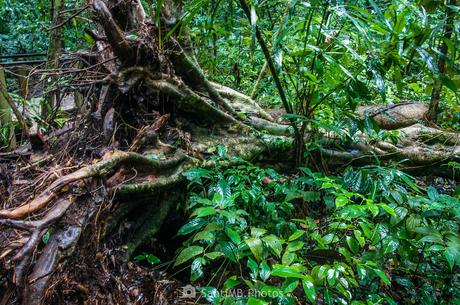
(132, 36)
(204, 235)
(450, 83)
(362, 272)
(297, 234)
(233, 235)
(408, 180)
(203, 212)
(432, 193)
(222, 151)
(366, 230)
(388, 209)
(223, 189)
(46, 237)
(431, 239)
(390, 245)
(289, 285)
(191, 226)
(330, 238)
(430, 61)
(382, 276)
(187, 254)
(231, 282)
(197, 269)
(327, 185)
(359, 237)
(452, 253)
(288, 258)
(397, 196)
(291, 195)
(214, 255)
(152, 259)
(140, 257)
(230, 250)
(195, 174)
(429, 235)
(352, 244)
(255, 301)
(252, 265)
(287, 271)
(257, 232)
(373, 208)
(309, 289)
(273, 243)
(256, 247)
(401, 213)
(231, 216)
(294, 246)
(264, 271)
(88, 38)
(341, 201)
(204, 201)
(343, 281)
(332, 276)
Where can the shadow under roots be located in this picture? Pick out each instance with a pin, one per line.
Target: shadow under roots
(165, 244)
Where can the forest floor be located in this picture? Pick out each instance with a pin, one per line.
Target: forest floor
(98, 274)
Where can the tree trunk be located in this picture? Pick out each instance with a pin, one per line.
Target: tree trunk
(53, 57)
(23, 82)
(443, 50)
(6, 119)
(259, 80)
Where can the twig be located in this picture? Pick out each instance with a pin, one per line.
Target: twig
(68, 19)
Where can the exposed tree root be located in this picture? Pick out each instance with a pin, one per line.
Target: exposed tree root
(396, 116)
(36, 229)
(62, 244)
(102, 168)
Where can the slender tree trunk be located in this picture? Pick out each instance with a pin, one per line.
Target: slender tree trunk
(36, 139)
(298, 139)
(23, 83)
(259, 80)
(54, 53)
(5, 115)
(437, 87)
(79, 98)
(263, 70)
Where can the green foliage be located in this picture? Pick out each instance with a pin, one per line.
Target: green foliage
(333, 55)
(149, 258)
(21, 26)
(377, 232)
(5, 128)
(24, 24)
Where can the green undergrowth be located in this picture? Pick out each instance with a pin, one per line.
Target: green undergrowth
(371, 236)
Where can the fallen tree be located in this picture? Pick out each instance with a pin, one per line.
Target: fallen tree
(157, 115)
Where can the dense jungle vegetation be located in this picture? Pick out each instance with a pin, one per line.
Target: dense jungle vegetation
(229, 152)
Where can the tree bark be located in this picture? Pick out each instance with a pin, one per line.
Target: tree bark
(23, 82)
(53, 57)
(6, 119)
(443, 50)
